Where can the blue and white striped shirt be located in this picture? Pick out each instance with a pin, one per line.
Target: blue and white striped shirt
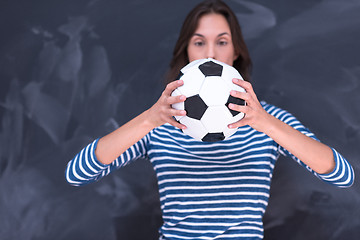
(209, 190)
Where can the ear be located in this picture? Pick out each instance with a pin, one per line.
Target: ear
(236, 57)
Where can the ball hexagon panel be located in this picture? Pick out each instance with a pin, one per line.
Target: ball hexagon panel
(191, 65)
(197, 129)
(193, 80)
(211, 120)
(229, 131)
(214, 91)
(211, 68)
(228, 74)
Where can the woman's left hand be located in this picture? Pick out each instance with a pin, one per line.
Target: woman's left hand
(255, 115)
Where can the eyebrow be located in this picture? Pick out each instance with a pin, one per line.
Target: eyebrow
(219, 35)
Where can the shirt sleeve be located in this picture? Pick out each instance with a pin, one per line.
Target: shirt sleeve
(85, 168)
(343, 173)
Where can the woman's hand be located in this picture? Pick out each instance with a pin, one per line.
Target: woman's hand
(316, 155)
(117, 142)
(255, 115)
(162, 112)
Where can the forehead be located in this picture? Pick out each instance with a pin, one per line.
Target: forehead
(212, 23)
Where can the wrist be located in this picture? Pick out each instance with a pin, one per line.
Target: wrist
(272, 125)
(267, 124)
(148, 121)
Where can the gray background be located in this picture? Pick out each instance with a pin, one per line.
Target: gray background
(72, 71)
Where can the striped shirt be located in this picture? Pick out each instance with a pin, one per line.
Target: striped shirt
(209, 190)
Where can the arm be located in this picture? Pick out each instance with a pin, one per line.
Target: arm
(114, 144)
(316, 155)
(124, 144)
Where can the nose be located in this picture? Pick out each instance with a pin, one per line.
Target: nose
(210, 51)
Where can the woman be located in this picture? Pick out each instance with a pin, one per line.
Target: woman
(211, 190)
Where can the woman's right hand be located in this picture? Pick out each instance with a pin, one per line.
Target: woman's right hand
(162, 112)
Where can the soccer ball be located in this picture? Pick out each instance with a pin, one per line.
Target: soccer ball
(207, 86)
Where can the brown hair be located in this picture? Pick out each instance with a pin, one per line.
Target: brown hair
(180, 57)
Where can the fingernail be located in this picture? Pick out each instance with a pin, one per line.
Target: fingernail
(235, 80)
(232, 92)
(183, 112)
(182, 97)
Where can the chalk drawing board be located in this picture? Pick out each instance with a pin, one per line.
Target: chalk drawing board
(72, 71)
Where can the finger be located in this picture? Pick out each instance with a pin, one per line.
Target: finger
(240, 123)
(175, 123)
(175, 112)
(244, 84)
(242, 95)
(239, 108)
(176, 99)
(172, 86)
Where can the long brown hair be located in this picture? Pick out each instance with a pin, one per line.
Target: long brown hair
(180, 57)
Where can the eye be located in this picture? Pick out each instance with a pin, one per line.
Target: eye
(222, 42)
(199, 43)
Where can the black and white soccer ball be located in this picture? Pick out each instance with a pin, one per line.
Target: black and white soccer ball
(207, 86)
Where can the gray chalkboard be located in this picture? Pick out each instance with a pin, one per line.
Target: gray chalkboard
(72, 71)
